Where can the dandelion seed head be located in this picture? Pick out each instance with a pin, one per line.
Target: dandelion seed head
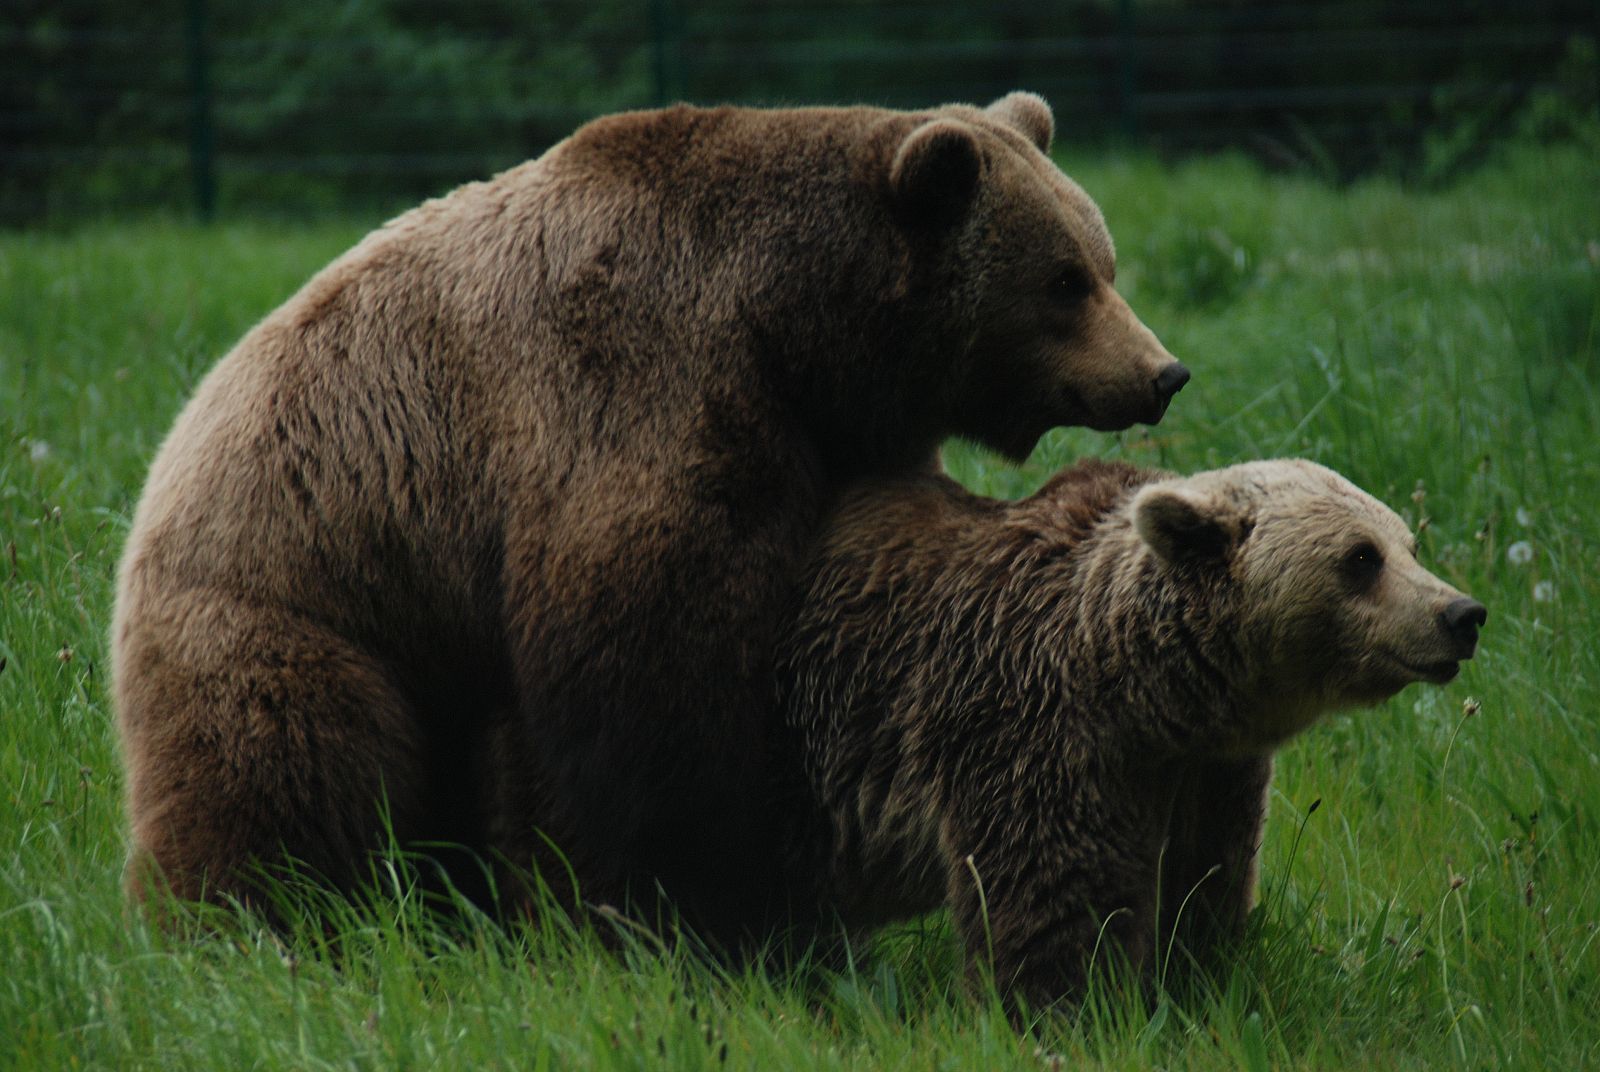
(1520, 553)
(1544, 592)
(1523, 517)
(38, 451)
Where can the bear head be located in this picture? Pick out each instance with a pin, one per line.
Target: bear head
(1329, 606)
(1048, 339)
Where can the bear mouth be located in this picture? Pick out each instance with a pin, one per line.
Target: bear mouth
(1115, 416)
(1438, 672)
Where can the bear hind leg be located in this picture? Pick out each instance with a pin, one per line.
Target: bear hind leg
(252, 737)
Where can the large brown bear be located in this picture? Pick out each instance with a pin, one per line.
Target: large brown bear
(1057, 716)
(488, 530)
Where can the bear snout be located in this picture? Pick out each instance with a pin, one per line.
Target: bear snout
(1460, 619)
(1168, 382)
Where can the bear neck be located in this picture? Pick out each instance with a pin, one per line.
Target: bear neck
(821, 317)
(1161, 644)
(1186, 646)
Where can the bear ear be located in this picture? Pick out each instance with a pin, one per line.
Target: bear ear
(1028, 113)
(1183, 526)
(935, 171)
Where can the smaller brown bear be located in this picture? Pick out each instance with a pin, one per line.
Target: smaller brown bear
(1057, 716)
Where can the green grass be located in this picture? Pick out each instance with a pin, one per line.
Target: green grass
(1432, 867)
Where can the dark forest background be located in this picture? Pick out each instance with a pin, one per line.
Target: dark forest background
(312, 105)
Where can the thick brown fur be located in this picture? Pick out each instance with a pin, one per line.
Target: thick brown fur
(491, 525)
(1057, 716)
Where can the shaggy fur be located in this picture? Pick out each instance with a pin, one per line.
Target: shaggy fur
(492, 524)
(1064, 709)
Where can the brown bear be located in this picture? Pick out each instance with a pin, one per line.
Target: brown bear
(1057, 716)
(487, 533)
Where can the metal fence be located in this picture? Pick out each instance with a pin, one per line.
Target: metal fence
(275, 105)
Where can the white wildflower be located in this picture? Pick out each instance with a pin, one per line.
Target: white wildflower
(38, 450)
(1544, 592)
(1520, 553)
(1523, 517)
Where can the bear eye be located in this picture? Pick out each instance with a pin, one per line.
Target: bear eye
(1072, 283)
(1362, 563)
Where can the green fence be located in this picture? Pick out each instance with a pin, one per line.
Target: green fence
(107, 105)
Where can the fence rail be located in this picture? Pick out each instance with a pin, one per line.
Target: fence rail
(307, 104)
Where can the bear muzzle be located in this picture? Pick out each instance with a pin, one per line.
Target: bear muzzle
(1460, 620)
(1138, 401)
(1458, 624)
(1168, 382)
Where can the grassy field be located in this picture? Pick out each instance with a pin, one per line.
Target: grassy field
(1432, 867)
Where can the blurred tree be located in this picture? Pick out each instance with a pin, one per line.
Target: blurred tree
(341, 102)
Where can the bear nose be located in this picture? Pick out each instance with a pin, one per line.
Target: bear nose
(1461, 619)
(1170, 380)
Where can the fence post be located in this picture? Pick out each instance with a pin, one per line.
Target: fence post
(663, 46)
(1127, 70)
(202, 136)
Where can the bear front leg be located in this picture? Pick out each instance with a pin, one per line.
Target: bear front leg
(642, 622)
(1209, 866)
(1043, 894)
